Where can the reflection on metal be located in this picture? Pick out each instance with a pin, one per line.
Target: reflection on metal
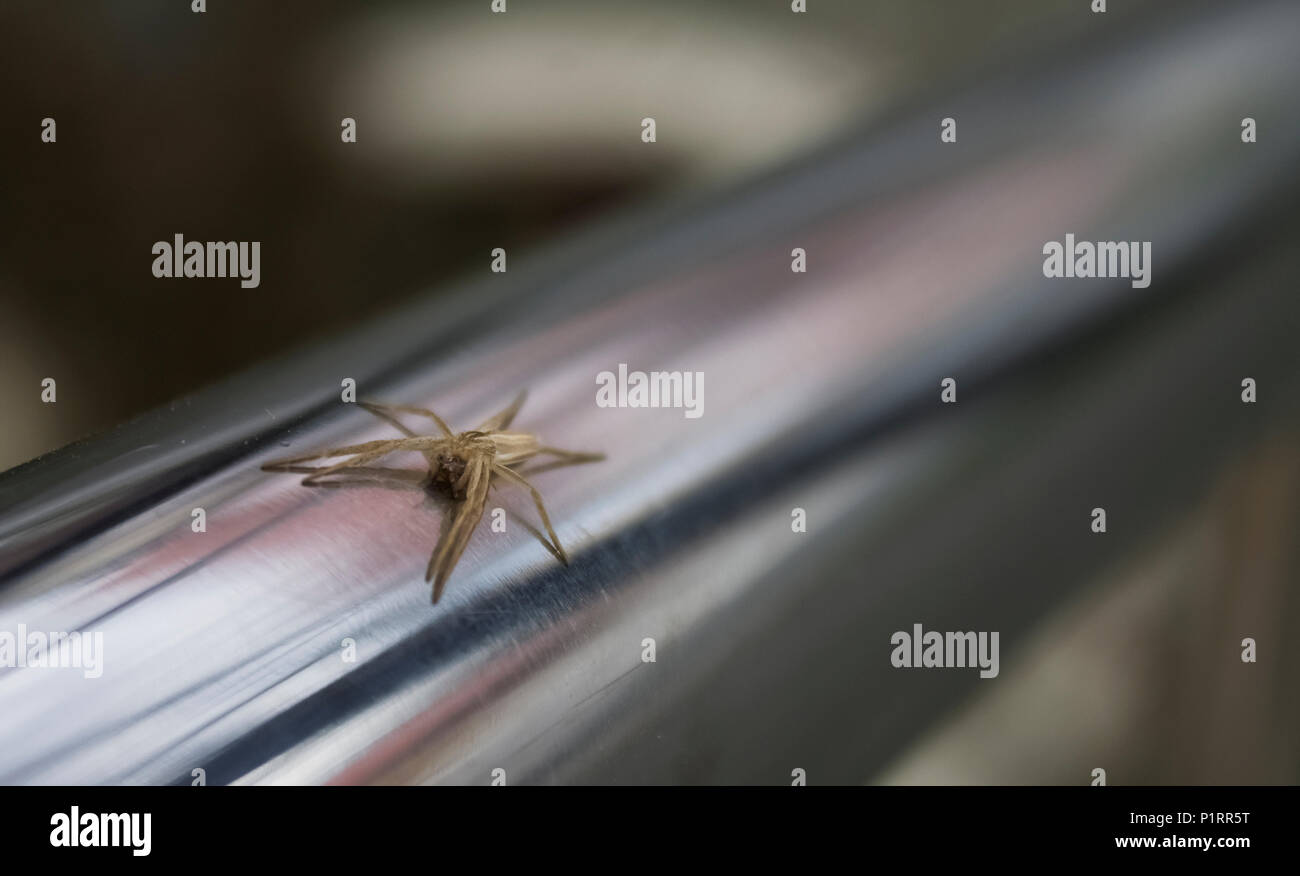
(224, 650)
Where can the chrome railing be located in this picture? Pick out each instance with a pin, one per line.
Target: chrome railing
(227, 650)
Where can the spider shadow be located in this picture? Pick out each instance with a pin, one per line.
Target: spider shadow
(435, 496)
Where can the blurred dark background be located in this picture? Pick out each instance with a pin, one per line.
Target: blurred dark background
(475, 131)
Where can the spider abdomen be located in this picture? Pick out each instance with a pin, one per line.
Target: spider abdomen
(451, 468)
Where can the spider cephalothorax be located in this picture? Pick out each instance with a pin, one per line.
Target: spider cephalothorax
(450, 469)
(465, 466)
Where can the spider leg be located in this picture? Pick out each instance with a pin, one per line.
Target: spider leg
(419, 443)
(359, 460)
(386, 413)
(379, 449)
(533, 531)
(572, 456)
(564, 458)
(360, 476)
(504, 417)
(541, 508)
(389, 412)
(382, 412)
(452, 544)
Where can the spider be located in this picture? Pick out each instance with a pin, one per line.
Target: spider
(463, 467)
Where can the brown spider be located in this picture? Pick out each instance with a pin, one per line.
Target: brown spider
(463, 466)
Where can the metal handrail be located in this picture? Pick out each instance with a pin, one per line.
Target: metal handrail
(224, 650)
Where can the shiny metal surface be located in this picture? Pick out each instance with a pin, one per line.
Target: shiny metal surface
(223, 649)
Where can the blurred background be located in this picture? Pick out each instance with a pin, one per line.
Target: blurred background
(226, 126)
(475, 133)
